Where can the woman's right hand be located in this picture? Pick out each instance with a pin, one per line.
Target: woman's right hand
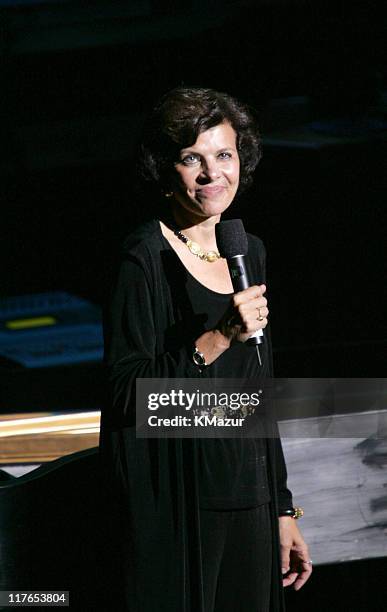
(238, 323)
(246, 314)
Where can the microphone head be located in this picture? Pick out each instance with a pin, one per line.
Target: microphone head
(231, 238)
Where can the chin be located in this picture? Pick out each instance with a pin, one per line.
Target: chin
(206, 207)
(214, 209)
(214, 206)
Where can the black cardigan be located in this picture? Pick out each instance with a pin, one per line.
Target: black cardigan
(156, 479)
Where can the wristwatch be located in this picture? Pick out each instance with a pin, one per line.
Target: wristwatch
(198, 358)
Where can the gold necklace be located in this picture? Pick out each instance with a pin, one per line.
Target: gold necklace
(196, 249)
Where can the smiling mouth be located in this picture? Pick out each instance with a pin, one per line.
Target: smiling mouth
(210, 191)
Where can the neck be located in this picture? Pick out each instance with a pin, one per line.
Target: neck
(201, 230)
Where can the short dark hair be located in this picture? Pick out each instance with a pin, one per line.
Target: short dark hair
(176, 122)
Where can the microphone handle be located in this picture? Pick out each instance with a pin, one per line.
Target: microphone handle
(240, 281)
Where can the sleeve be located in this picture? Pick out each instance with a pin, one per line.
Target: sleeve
(285, 500)
(130, 342)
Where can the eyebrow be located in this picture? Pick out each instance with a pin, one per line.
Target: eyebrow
(193, 152)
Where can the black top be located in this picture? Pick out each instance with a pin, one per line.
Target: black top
(232, 471)
(156, 480)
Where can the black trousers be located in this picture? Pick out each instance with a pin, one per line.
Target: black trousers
(237, 559)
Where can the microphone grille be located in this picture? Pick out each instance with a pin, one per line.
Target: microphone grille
(231, 238)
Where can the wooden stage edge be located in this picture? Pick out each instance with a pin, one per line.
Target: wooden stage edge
(41, 437)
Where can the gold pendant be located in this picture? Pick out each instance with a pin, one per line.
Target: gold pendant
(212, 256)
(193, 247)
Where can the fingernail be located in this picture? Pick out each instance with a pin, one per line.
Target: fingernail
(284, 570)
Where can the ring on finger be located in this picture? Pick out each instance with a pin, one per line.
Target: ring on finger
(260, 317)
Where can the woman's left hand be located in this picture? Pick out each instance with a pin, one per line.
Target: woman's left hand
(295, 560)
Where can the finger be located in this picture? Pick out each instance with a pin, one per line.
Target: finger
(253, 292)
(262, 313)
(285, 558)
(301, 556)
(289, 579)
(253, 308)
(256, 301)
(302, 578)
(260, 302)
(301, 560)
(251, 317)
(251, 325)
(298, 578)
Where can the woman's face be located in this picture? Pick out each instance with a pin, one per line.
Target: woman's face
(207, 173)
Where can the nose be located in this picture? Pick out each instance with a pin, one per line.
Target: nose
(210, 169)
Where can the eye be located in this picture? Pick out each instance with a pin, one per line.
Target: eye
(190, 160)
(225, 155)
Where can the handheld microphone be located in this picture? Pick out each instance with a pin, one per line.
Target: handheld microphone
(232, 244)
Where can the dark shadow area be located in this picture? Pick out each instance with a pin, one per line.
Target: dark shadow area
(353, 585)
(56, 534)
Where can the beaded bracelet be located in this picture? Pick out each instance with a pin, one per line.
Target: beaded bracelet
(295, 513)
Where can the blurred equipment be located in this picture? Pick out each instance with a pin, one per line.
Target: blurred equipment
(51, 347)
(49, 329)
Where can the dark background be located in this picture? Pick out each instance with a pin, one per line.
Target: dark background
(76, 81)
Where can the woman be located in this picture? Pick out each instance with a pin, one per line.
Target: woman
(201, 521)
